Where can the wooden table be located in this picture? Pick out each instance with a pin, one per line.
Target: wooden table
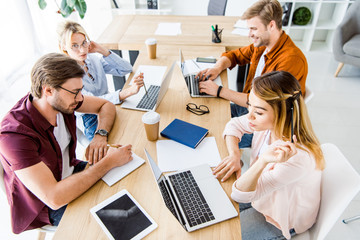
(77, 222)
(129, 32)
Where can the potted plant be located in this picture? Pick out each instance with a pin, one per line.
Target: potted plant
(67, 7)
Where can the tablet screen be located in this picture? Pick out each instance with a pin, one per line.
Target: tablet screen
(121, 217)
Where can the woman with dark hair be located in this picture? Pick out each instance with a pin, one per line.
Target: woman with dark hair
(279, 194)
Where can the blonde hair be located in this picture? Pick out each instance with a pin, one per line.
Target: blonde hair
(282, 92)
(65, 32)
(266, 10)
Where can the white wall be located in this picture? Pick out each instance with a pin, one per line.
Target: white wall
(199, 7)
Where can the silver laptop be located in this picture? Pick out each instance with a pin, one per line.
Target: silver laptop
(192, 82)
(150, 100)
(194, 196)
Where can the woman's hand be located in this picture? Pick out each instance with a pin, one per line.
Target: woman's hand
(137, 84)
(279, 153)
(97, 48)
(134, 88)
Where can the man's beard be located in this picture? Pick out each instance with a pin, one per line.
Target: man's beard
(58, 105)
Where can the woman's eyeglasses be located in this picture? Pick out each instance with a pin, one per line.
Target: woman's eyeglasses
(76, 47)
(198, 110)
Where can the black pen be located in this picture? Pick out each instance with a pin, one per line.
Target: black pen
(145, 87)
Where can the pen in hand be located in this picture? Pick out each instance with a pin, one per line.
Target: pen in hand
(145, 88)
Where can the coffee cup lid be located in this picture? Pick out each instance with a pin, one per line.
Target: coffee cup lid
(150, 41)
(151, 117)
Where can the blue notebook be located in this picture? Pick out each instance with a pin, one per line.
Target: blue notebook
(185, 133)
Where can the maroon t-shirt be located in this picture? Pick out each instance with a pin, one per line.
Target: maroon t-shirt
(27, 138)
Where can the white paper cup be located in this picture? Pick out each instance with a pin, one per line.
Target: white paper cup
(151, 122)
(151, 47)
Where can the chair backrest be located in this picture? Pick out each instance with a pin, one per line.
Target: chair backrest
(217, 7)
(340, 184)
(309, 95)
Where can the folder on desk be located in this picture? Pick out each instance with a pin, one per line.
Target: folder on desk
(186, 133)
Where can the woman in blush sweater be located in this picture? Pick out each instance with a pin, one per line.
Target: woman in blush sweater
(279, 194)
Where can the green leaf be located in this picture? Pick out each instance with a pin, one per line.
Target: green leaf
(42, 4)
(65, 9)
(71, 3)
(80, 6)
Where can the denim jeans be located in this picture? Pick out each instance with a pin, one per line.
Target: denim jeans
(90, 125)
(237, 111)
(56, 215)
(255, 227)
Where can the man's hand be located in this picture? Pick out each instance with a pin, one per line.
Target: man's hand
(208, 87)
(227, 167)
(209, 74)
(119, 156)
(97, 149)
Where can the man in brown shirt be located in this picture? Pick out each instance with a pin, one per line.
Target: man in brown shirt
(272, 50)
(270, 42)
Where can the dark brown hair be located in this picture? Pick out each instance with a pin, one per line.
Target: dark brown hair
(53, 69)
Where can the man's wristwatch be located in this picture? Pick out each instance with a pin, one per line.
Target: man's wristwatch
(102, 132)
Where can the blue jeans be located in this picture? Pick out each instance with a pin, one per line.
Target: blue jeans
(237, 111)
(90, 125)
(56, 215)
(255, 227)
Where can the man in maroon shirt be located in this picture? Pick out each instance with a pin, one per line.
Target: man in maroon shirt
(38, 141)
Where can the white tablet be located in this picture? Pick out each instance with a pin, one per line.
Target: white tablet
(121, 217)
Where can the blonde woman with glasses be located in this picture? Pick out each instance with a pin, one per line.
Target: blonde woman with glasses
(279, 194)
(96, 61)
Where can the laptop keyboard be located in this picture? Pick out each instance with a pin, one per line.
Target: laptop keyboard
(166, 198)
(148, 101)
(193, 84)
(193, 203)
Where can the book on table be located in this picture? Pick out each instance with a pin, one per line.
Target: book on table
(186, 133)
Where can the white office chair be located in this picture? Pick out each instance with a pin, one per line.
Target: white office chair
(340, 183)
(309, 95)
(43, 230)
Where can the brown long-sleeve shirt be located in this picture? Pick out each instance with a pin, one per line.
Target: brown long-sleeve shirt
(284, 56)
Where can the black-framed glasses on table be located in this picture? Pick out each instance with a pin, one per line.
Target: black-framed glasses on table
(198, 110)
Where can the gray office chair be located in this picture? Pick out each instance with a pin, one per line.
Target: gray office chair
(217, 7)
(43, 230)
(346, 45)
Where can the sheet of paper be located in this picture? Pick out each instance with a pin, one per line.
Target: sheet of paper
(173, 156)
(168, 29)
(240, 24)
(118, 173)
(153, 75)
(241, 31)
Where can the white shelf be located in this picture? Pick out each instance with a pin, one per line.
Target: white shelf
(141, 7)
(325, 17)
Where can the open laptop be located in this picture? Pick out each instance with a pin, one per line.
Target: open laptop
(149, 101)
(194, 196)
(192, 82)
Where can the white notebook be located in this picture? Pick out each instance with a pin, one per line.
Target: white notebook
(118, 173)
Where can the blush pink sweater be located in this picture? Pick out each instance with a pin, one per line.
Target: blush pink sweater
(287, 194)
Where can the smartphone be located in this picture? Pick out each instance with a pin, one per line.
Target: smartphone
(206, 60)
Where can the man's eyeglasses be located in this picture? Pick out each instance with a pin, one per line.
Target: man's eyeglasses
(198, 110)
(75, 93)
(76, 47)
